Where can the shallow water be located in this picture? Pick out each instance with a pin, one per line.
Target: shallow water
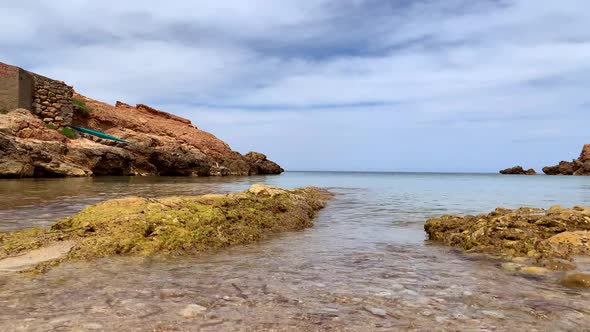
(367, 252)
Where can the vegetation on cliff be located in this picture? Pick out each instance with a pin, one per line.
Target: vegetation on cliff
(175, 225)
(80, 107)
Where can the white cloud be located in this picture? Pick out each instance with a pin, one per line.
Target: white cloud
(290, 78)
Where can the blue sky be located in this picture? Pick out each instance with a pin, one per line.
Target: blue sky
(425, 85)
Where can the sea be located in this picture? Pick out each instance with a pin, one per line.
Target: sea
(366, 264)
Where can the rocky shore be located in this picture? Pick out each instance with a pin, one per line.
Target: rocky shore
(168, 226)
(160, 144)
(532, 240)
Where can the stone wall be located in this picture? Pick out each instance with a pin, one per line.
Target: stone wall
(52, 101)
(15, 88)
(49, 99)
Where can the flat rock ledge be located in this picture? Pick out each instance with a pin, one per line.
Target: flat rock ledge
(547, 239)
(168, 226)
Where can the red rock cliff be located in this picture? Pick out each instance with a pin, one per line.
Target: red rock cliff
(162, 144)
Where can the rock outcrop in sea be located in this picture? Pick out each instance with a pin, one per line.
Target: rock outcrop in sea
(518, 170)
(546, 239)
(166, 226)
(580, 166)
(160, 144)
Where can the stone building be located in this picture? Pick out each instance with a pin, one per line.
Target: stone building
(49, 99)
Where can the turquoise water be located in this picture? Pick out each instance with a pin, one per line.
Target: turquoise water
(406, 197)
(367, 251)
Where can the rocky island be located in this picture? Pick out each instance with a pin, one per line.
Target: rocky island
(533, 240)
(37, 115)
(168, 226)
(518, 170)
(580, 166)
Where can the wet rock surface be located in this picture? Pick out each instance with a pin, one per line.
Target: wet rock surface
(162, 144)
(537, 243)
(580, 166)
(577, 280)
(518, 170)
(526, 232)
(169, 226)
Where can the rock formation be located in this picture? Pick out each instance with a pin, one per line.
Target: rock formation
(162, 144)
(173, 226)
(548, 238)
(520, 232)
(580, 166)
(518, 170)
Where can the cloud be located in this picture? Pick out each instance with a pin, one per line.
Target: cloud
(325, 84)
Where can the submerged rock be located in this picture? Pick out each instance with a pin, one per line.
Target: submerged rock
(36, 257)
(558, 265)
(192, 310)
(377, 312)
(534, 270)
(576, 280)
(518, 170)
(175, 225)
(524, 232)
(510, 266)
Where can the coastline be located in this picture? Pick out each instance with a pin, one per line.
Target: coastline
(70, 135)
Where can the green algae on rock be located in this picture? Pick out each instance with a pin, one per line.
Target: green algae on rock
(531, 232)
(175, 225)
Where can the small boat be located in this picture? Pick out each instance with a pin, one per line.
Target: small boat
(98, 134)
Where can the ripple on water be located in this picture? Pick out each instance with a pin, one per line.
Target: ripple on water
(365, 266)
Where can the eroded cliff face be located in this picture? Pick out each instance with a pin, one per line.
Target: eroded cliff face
(580, 166)
(162, 144)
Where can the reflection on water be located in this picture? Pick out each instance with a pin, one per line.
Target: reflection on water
(364, 266)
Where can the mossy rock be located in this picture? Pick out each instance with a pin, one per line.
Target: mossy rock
(175, 225)
(525, 232)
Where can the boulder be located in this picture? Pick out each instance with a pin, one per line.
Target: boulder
(261, 165)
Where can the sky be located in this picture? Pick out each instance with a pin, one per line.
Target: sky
(346, 85)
